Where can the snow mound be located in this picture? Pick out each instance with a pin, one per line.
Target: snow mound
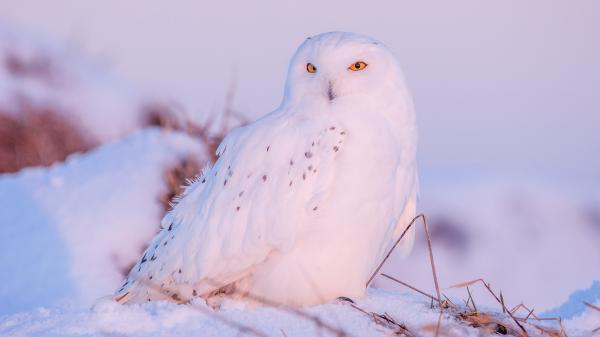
(70, 231)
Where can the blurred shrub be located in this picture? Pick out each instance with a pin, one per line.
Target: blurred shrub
(37, 136)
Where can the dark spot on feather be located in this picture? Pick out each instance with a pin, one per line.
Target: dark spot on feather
(303, 176)
(230, 173)
(315, 208)
(164, 244)
(264, 177)
(150, 277)
(291, 182)
(170, 227)
(315, 171)
(224, 182)
(268, 147)
(194, 293)
(203, 180)
(332, 128)
(241, 193)
(343, 133)
(291, 162)
(308, 154)
(179, 270)
(237, 208)
(153, 258)
(156, 246)
(336, 148)
(143, 259)
(310, 167)
(313, 144)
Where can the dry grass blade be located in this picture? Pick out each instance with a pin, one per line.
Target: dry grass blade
(385, 320)
(591, 306)
(439, 323)
(466, 284)
(431, 259)
(317, 321)
(410, 287)
(390, 251)
(489, 289)
(471, 299)
(242, 328)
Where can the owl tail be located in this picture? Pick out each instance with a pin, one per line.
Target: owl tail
(135, 292)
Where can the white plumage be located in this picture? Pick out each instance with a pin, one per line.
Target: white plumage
(302, 203)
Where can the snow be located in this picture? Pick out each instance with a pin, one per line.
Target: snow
(167, 319)
(69, 230)
(580, 318)
(574, 305)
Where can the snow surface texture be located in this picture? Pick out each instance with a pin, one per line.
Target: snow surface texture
(167, 319)
(38, 71)
(580, 318)
(108, 318)
(69, 231)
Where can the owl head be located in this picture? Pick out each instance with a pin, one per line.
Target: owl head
(340, 66)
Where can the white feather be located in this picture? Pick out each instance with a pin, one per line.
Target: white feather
(302, 203)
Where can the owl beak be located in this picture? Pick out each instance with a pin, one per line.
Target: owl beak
(330, 93)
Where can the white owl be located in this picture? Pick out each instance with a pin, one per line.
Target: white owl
(301, 204)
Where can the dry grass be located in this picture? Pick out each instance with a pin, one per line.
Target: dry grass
(507, 322)
(38, 136)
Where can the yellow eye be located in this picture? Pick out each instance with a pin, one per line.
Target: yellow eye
(357, 66)
(310, 68)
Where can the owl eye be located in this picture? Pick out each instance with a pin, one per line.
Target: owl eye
(357, 66)
(311, 68)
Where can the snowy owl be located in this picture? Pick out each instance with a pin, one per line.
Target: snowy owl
(303, 203)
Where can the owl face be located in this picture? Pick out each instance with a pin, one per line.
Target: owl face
(333, 67)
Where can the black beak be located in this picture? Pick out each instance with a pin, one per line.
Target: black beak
(330, 93)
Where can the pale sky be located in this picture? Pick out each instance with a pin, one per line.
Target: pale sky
(505, 86)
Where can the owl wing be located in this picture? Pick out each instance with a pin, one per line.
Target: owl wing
(268, 182)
